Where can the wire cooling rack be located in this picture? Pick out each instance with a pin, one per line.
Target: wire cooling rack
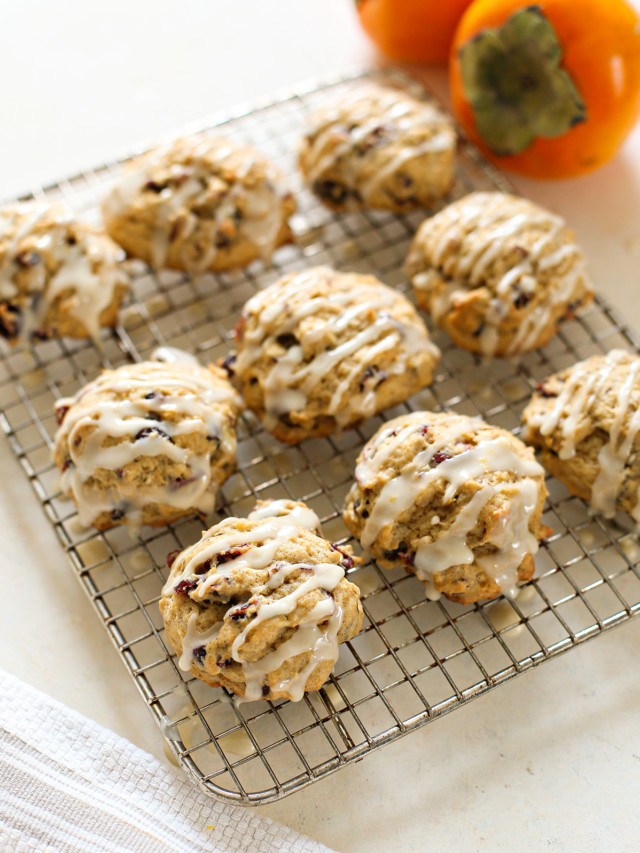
(414, 659)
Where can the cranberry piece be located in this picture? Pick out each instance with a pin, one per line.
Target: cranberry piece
(200, 653)
(185, 587)
(372, 372)
(155, 187)
(180, 482)
(544, 391)
(203, 568)
(150, 432)
(61, 411)
(441, 456)
(239, 612)
(231, 554)
(171, 557)
(228, 363)
(347, 560)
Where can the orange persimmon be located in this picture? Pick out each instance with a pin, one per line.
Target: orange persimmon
(412, 30)
(549, 89)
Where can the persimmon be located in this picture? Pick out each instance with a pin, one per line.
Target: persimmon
(412, 30)
(550, 89)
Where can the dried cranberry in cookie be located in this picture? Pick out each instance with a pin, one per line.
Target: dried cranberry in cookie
(200, 203)
(452, 499)
(319, 351)
(586, 422)
(58, 276)
(378, 147)
(147, 443)
(260, 605)
(498, 273)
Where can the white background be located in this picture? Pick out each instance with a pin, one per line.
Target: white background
(548, 761)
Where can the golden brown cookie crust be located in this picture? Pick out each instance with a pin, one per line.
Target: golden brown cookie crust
(586, 422)
(59, 277)
(451, 498)
(147, 443)
(321, 350)
(259, 605)
(378, 147)
(498, 273)
(202, 203)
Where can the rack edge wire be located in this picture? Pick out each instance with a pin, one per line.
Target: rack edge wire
(358, 751)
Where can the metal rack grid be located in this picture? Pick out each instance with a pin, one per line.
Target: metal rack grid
(414, 659)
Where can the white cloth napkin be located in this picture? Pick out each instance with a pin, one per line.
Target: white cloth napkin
(68, 784)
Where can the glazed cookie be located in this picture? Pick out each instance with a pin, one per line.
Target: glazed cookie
(201, 203)
(586, 422)
(498, 273)
(259, 605)
(379, 147)
(58, 276)
(320, 350)
(454, 500)
(147, 443)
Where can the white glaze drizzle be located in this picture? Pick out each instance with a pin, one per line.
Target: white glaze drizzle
(171, 355)
(322, 643)
(502, 222)
(273, 530)
(291, 381)
(114, 418)
(359, 112)
(300, 514)
(90, 267)
(262, 218)
(572, 405)
(194, 639)
(512, 538)
(614, 455)
(310, 635)
(571, 409)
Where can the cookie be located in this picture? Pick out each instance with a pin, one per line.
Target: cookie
(147, 443)
(378, 147)
(319, 351)
(454, 500)
(586, 422)
(58, 276)
(201, 203)
(498, 273)
(260, 604)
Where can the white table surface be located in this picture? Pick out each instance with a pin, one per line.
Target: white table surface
(548, 761)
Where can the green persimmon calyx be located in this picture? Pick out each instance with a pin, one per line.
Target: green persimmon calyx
(515, 85)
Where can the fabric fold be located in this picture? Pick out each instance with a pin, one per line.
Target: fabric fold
(68, 784)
